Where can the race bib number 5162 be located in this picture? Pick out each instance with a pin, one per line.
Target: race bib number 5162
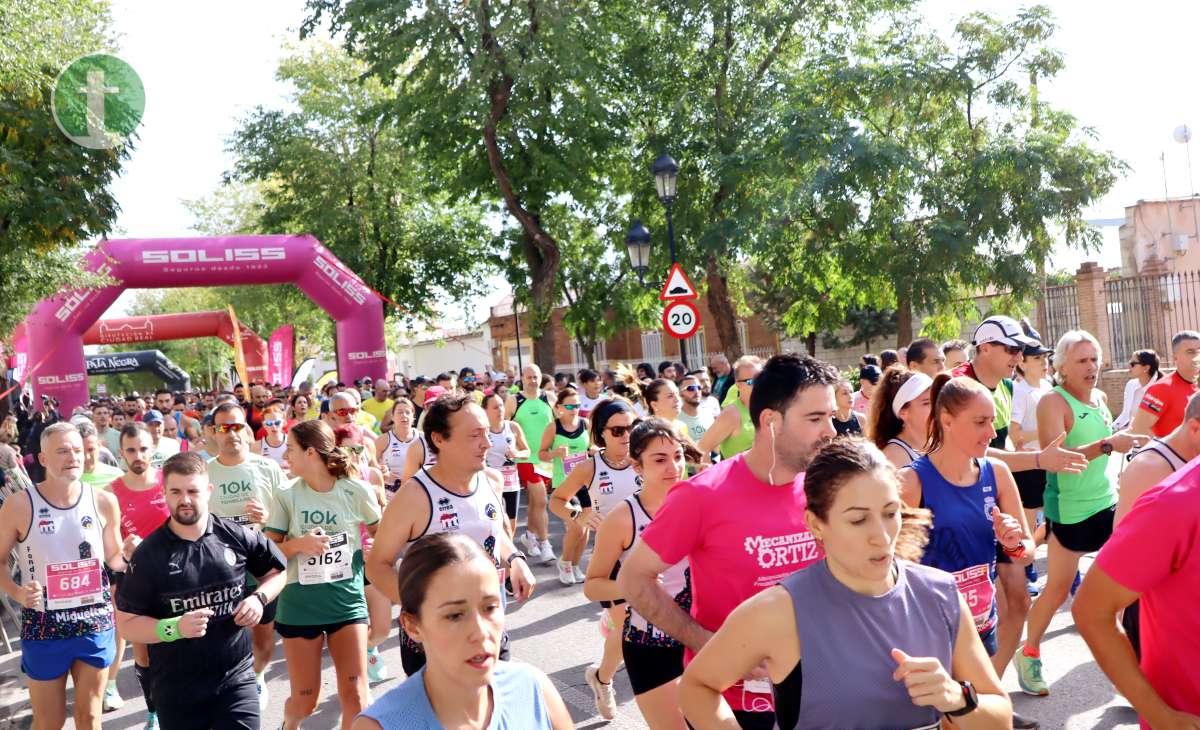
(328, 567)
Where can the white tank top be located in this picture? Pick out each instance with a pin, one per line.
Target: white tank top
(912, 453)
(674, 580)
(501, 442)
(397, 451)
(1160, 447)
(587, 405)
(610, 486)
(276, 454)
(64, 551)
(477, 515)
(430, 457)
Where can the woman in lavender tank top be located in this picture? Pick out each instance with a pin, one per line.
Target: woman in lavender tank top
(865, 638)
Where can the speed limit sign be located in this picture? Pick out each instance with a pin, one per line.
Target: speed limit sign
(681, 319)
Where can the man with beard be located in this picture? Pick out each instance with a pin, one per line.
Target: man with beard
(469, 383)
(740, 524)
(186, 597)
(692, 415)
(108, 433)
(245, 485)
(164, 446)
(259, 396)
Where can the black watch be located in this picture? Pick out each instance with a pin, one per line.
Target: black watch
(1106, 447)
(261, 599)
(516, 554)
(970, 697)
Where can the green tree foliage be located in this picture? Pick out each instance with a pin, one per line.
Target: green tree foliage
(53, 193)
(516, 102)
(336, 166)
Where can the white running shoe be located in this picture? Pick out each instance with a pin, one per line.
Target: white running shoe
(565, 575)
(606, 698)
(530, 544)
(548, 555)
(112, 700)
(264, 697)
(151, 721)
(580, 576)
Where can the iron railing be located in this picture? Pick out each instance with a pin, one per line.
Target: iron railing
(1145, 311)
(1059, 313)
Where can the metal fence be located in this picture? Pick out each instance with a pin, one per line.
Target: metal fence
(1146, 311)
(1059, 313)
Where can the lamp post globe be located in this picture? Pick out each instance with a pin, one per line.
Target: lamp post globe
(637, 243)
(665, 173)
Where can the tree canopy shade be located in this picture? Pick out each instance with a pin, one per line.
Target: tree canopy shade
(53, 193)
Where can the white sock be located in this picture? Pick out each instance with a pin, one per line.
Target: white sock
(111, 686)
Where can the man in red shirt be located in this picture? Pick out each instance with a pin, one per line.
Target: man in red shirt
(1162, 407)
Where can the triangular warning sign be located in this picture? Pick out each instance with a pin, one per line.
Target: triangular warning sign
(678, 286)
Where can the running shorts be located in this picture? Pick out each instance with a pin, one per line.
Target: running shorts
(314, 631)
(230, 703)
(46, 659)
(989, 639)
(510, 504)
(528, 475)
(754, 720)
(1132, 623)
(650, 667)
(1087, 536)
(1032, 486)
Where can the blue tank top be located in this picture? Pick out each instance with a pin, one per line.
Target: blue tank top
(846, 641)
(517, 702)
(963, 540)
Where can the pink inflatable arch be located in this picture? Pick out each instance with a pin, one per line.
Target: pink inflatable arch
(55, 329)
(162, 327)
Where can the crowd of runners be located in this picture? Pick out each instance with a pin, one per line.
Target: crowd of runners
(771, 544)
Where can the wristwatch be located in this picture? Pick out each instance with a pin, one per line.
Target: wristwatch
(1106, 447)
(516, 554)
(261, 598)
(970, 697)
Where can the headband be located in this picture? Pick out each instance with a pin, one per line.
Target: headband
(914, 386)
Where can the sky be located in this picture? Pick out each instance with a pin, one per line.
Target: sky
(205, 65)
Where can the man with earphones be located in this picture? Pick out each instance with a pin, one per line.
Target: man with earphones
(740, 524)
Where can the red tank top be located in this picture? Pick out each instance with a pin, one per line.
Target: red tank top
(142, 512)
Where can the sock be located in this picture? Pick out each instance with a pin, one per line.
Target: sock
(258, 676)
(111, 686)
(372, 651)
(147, 682)
(1032, 653)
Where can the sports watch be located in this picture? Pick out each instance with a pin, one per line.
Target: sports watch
(970, 697)
(1106, 447)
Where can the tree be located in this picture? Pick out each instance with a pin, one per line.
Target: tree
(337, 168)
(53, 193)
(958, 174)
(508, 101)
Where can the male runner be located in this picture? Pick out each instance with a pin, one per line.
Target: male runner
(1162, 406)
(163, 401)
(259, 397)
(733, 431)
(924, 356)
(244, 487)
(468, 382)
(592, 393)
(697, 420)
(164, 446)
(740, 524)
(187, 597)
(95, 472)
(955, 352)
(533, 410)
(64, 532)
(379, 403)
(722, 376)
(110, 437)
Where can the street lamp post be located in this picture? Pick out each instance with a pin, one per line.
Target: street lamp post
(665, 174)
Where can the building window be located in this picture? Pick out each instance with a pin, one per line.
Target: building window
(694, 349)
(743, 336)
(652, 347)
(580, 358)
(512, 357)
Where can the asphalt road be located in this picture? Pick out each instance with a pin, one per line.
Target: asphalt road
(558, 631)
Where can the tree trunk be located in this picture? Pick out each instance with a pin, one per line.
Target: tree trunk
(904, 319)
(543, 273)
(810, 344)
(721, 308)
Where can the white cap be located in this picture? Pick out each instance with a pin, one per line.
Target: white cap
(1004, 330)
(917, 384)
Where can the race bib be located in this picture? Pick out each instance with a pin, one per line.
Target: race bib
(573, 461)
(512, 483)
(331, 566)
(975, 585)
(74, 584)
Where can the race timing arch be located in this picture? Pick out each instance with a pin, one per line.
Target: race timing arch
(56, 327)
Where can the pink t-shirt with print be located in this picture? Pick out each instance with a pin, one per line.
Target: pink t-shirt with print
(740, 535)
(1155, 551)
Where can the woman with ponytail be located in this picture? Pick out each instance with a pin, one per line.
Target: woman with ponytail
(318, 523)
(865, 637)
(900, 415)
(973, 498)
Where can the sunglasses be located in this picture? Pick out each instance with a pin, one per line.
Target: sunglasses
(343, 412)
(571, 406)
(273, 422)
(747, 381)
(619, 431)
(468, 380)
(356, 450)
(227, 427)
(694, 387)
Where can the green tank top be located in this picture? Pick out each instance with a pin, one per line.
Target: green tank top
(1002, 397)
(577, 443)
(1072, 498)
(533, 416)
(743, 438)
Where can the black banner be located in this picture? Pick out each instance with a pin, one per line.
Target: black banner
(152, 361)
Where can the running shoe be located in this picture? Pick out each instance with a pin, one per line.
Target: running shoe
(566, 576)
(580, 576)
(547, 552)
(508, 589)
(112, 700)
(264, 696)
(531, 545)
(1075, 583)
(606, 698)
(1024, 723)
(1029, 674)
(377, 671)
(151, 721)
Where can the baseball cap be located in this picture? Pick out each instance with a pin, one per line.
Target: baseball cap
(420, 380)
(1003, 330)
(152, 416)
(1037, 348)
(434, 393)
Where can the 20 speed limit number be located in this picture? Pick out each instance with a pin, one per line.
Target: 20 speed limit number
(681, 319)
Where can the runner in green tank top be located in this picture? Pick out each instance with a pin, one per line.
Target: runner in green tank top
(733, 431)
(531, 409)
(1079, 507)
(566, 442)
